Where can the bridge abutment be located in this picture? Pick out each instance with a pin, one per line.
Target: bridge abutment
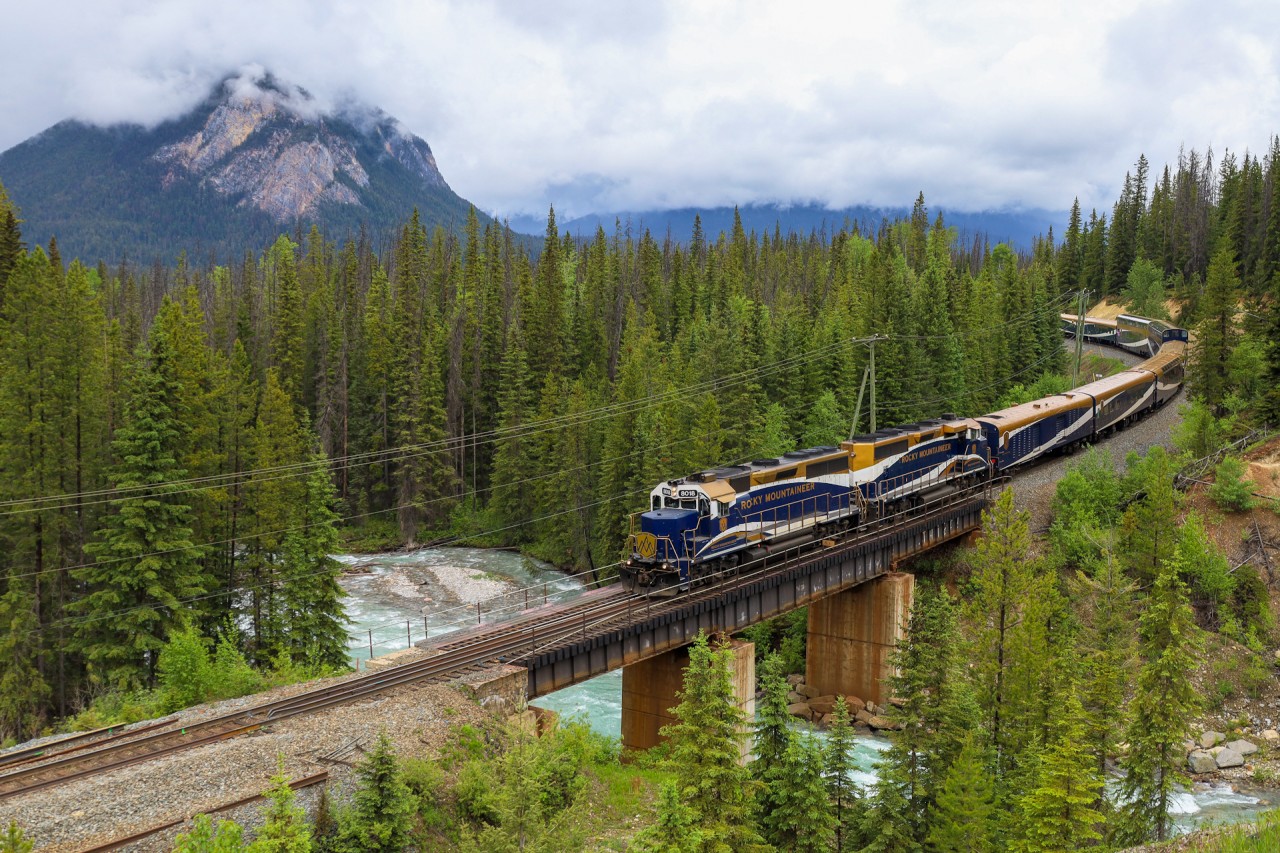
(852, 634)
(649, 690)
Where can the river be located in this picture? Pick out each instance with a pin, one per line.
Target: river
(397, 598)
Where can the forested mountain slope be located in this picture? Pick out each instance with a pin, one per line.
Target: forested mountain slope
(257, 157)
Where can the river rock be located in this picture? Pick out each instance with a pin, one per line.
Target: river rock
(871, 706)
(1229, 758)
(864, 716)
(794, 697)
(1201, 762)
(1271, 736)
(823, 704)
(883, 723)
(808, 690)
(826, 720)
(855, 704)
(795, 679)
(1210, 739)
(801, 710)
(1242, 747)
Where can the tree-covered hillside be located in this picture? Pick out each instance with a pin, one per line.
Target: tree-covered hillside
(179, 444)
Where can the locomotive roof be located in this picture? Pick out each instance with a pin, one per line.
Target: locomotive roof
(894, 433)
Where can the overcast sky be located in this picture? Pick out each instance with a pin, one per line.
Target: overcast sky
(641, 105)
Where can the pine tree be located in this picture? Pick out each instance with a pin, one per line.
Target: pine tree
(314, 620)
(963, 816)
(936, 710)
(207, 837)
(773, 740)
(1215, 335)
(1005, 618)
(1164, 702)
(1148, 530)
(147, 567)
(706, 752)
(380, 819)
(676, 829)
(287, 323)
(1060, 813)
(824, 424)
(15, 840)
(23, 691)
(838, 772)
(802, 818)
(285, 828)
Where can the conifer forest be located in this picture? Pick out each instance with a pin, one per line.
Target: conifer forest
(185, 445)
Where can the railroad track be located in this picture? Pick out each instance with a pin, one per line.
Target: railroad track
(514, 640)
(464, 655)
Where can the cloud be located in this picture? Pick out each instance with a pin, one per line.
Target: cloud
(652, 104)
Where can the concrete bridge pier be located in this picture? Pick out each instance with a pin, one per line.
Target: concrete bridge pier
(852, 634)
(649, 690)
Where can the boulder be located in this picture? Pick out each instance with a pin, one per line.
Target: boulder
(864, 716)
(793, 680)
(1242, 747)
(1272, 737)
(871, 706)
(883, 723)
(1229, 758)
(855, 704)
(1201, 762)
(823, 704)
(897, 701)
(861, 725)
(793, 697)
(1210, 739)
(825, 722)
(808, 690)
(1214, 752)
(801, 710)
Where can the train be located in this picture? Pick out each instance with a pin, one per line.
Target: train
(705, 525)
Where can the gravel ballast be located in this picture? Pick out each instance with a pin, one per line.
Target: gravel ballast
(1033, 488)
(98, 809)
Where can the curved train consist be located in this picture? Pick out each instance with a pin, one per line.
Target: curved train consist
(711, 521)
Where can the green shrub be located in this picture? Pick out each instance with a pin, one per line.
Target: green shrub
(1229, 490)
(185, 670)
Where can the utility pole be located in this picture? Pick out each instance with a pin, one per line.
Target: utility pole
(868, 373)
(1080, 333)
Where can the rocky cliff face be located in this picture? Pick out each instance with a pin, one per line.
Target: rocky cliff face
(269, 149)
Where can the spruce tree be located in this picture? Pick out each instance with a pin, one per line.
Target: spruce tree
(963, 817)
(147, 568)
(676, 829)
(838, 772)
(706, 752)
(1060, 812)
(314, 620)
(1164, 703)
(207, 837)
(1216, 336)
(1149, 529)
(15, 840)
(285, 828)
(802, 817)
(773, 737)
(379, 821)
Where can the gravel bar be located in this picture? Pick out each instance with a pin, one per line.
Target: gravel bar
(1033, 488)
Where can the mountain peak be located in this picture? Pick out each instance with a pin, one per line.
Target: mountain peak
(257, 156)
(272, 147)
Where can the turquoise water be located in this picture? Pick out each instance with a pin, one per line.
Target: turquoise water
(401, 596)
(598, 702)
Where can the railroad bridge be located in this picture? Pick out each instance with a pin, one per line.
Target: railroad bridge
(858, 609)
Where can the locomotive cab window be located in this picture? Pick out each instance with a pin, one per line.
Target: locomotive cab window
(704, 506)
(657, 502)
